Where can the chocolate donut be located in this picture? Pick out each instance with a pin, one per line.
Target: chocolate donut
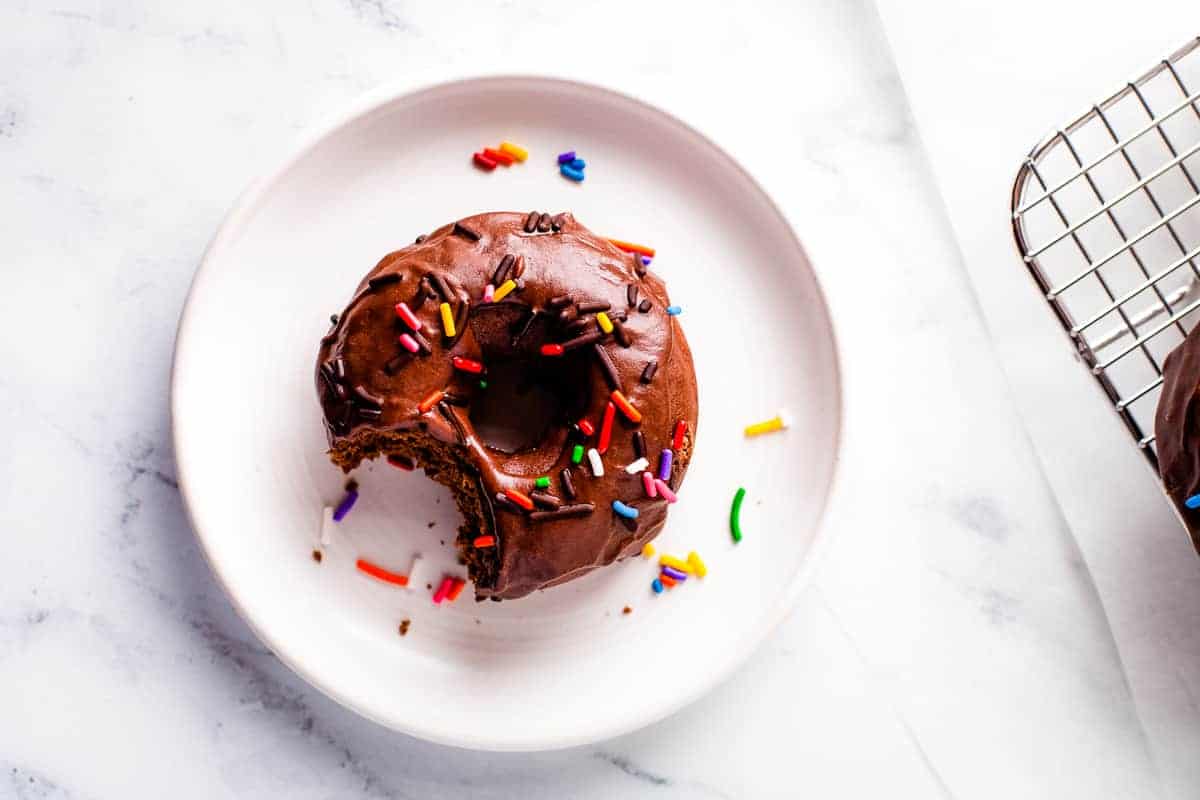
(576, 354)
(1177, 429)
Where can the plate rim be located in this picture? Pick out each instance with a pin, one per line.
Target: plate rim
(245, 206)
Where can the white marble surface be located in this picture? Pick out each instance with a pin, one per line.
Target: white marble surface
(1025, 79)
(953, 644)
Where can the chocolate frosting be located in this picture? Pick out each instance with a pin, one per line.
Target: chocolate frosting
(1177, 429)
(527, 420)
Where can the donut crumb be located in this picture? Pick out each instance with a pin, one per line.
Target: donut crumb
(404, 623)
(626, 610)
(317, 556)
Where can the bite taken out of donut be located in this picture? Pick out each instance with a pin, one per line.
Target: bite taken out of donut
(529, 365)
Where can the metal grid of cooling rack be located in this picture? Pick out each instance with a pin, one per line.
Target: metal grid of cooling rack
(1106, 214)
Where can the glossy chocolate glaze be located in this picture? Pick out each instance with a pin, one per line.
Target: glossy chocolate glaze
(368, 383)
(1177, 429)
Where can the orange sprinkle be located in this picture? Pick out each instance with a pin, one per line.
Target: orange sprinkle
(432, 400)
(626, 409)
(484, 541)
(455, 589)
(381, 573)
(667, 581)
(520, 498)
(630, 247)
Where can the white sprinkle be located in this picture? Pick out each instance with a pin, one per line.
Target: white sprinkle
(785, 419)
(637, 466)
(597, 464)
(326, 526)
(413, 581)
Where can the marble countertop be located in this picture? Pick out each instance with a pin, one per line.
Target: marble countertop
(953, 644)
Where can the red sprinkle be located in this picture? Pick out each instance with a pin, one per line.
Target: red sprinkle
(432, 400)
(606, 426)
(626, 408)
(410, 319)
(484, 161)
(467, 364)
(443, 590)
(381, 573)
(520, 498)
(456, 587)
(667, 580)
(498, 156)
(401, 462)
(484, 541)
(586, 426)
(552, 349)
(680, 430)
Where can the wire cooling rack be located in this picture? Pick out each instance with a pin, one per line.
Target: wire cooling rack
(1106, 214)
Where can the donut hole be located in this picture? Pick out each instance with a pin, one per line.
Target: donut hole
(529, 403)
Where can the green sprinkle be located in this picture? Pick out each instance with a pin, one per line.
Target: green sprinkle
(542, 482)
(483, 384)
(577, 454)
(735, 522)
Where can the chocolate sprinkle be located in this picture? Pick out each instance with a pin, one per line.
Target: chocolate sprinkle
(639, 444)
(631, 525)
(340, 391)
(543, 223)
(460, 318)
(574, 510)
(504, 504)
(545, 500)
(368, 398)
(519, 267)
(648, 372)
(393, 366)
(339, 368)
(645, 306)
(421, 341)
(567, 315)
(440, 285)
(465, 232)
(568, 485)
(557, 222)
(621, 334)
(370, 413)
(558, 302)
(631, 293)
(608, 368)
(384, 279)
(621, 315)
(531, 222)
(502, 269)
(420, 239)
(333, 319)
(580, 341)
(594, 306)
(638, 267)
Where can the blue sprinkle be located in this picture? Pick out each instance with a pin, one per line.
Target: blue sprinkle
(344, 507)
(573, 174)
(578, 164)
(628, 512)
(657, 586)
(1193, 501)
(567, 157)
(645, 261)
(674, 311)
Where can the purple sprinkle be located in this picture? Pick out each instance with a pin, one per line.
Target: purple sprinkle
(678, 575)
(567, 157)
(646, 261)
(344, 507)
(664, 465)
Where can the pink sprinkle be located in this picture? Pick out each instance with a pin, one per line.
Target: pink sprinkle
(648, 482)
(665, 490)
(410, 319)
(489, 292)
(443, 590)
(410, 344)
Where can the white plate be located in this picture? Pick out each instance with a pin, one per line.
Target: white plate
(565, 666)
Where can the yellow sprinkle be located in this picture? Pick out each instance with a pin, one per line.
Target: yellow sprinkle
(447, 320)
(605, 322)
(514, 150)
(648, 550)
(503, 291)
(779, 422)
(697, 564)
(672, 561)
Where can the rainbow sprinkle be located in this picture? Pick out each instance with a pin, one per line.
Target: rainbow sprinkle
(483, 541)
(344, 507)
(597, 464)
(665, 490)
(504, 290)
(779, 422)
(664, 464)
(1193, 501)
(648, 550)
(409, 343)
(489, 293)
(628, 512)
(543, 482)
(637, 466)
(674, 311)
(447, 320)
(698, 565)
(604, 322)
(648, 484)
(380, 573)
(657, 586)
(671, 561)
(514, 150)
(577, 454)
(675, 574)
(735, 515)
